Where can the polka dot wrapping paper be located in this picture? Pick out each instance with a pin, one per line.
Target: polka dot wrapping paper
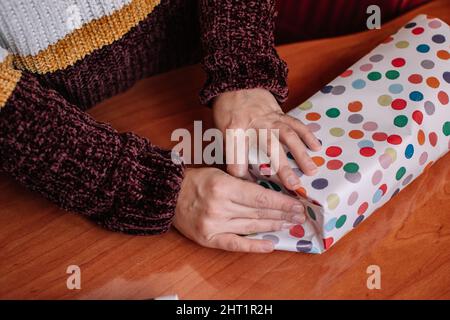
(381, 123)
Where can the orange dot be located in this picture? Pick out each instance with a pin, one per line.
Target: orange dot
(433, 82)
(356, 134)
(443, 54)
(301, 192)
(313, 116)
(355, 106)
(319, 161)
(421, 137)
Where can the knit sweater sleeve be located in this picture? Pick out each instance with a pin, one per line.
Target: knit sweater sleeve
(119, 180)
(238, 48)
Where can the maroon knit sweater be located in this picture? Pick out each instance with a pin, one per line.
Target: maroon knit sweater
(120, 180)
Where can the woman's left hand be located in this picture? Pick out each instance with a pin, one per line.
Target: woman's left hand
(258, 109)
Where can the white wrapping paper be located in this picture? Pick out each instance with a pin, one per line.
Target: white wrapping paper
(381, 123)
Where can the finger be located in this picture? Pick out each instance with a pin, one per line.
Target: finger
(232, 242)
(297, 148)
(240, 211)
(251, 226)
(237, 153)
(304, 133)
(256, 196)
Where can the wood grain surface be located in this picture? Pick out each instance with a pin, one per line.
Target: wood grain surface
(409, 238)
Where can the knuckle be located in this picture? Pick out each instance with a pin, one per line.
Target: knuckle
(233, 245)
(252, 227)
(261, 213)
(262, 200)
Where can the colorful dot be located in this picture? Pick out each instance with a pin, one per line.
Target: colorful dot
(409, 151)
(416, 96)
(433, 138)
(370, 126)
(384, 100)
(433, 82)
(418, 30)
(376, 58)
(313, 127)
(347, 73)
(392, 74)
(334, 164)
(402, 44)
(333, 201)
(396, 88)
(398, 62)
(427, 64)
(385, 160)
(304, 246)
(446, 129)
(319, 161)
(394, 139)
(400, 173)
(356, 134)
(379, 136)
(423, 158)
(417, 117)
(363, 208)
(328, 242)
(333, 112)
(429, 108)
(355, 106)
(415, 78)
(443, 97)
(423, 48)
(435, 24)
(421, 137)
(443, 54)
(359, 84)
(374, 76)
(327, 89)
(398, 104)
(438, 38)
(333, 151)
(311, 213)
(351, 167)
(377, 196)
(446, 76)
(306, 105)
(338, 90)
(401, 121)
(271, 237)
(366, 67)
(297, 231)
(320, 184)
(407, 180)
(358, 221)
(392, 153)
(313, 116)
(341, 221)
(367, 151)
(365, 143)
(353, 177)
(355, 118)
(337, 132)
(377, 176)
(352, 198)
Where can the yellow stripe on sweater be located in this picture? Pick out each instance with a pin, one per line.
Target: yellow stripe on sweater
(90, 37)
(9, 77)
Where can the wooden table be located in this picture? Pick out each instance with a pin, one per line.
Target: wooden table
(409, 238)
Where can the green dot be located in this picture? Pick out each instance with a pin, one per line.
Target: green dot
(351, 167)
(446, 129)
(341, 221)
(400, 173)
(374, 76)
(392, 74)
(274, 186)
(401, 121)
(333, 113)
(311, 213)
(385, 100)
(402, 44)
(305, 105)
(337, 132)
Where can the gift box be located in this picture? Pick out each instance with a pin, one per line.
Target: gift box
(381, 123)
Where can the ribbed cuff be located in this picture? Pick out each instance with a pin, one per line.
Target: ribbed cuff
(236, 72)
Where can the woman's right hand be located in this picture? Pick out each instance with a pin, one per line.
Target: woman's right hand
(214, 208)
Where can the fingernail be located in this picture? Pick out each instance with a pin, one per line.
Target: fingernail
(267, 247)
(294, 181)
(287, 225)
(299, 219)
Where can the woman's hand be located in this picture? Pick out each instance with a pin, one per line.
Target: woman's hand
(213, 208)
(258, 109)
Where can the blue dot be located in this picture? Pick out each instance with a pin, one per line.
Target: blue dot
(410, 25)
(359, 84)
(358, 221)
(377, 196)
(327, 89)
(409, 152)
(396, 88)
(365, 144)
(423, 48)
(330, 224)
(438, 38)
(416, 96)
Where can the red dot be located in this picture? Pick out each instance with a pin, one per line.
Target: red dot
(334, 164)
(362, 208)
(399, 104)
(418, 30)
(264, 169)
(297, 231)
(379, 136)
(367, 151)
(347, 73)
(333, 151)
(398, 62)
(394, 139)
(433, 138)
(443, 97)
(328, 242)
(383, 188)
(415, 78)
(417, 116)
